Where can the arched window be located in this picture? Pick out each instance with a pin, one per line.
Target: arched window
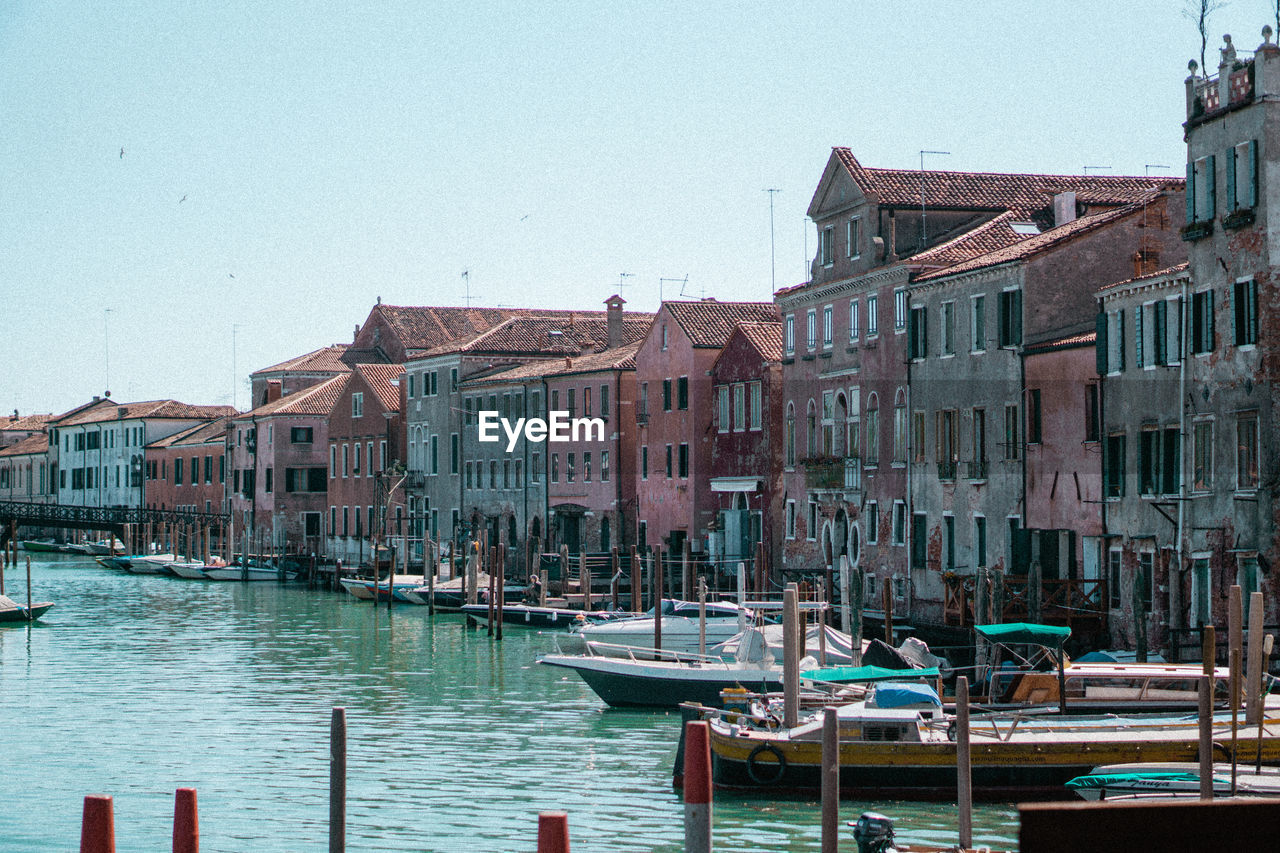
(811, 430)
(841, 446)
(872, 449)
(789, 437)
(900, 426)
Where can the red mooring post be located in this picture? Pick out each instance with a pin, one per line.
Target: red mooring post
(186, 823)
(697, 787)
(553, 832)
(97, 828)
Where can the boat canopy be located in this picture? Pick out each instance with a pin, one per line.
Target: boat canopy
(1025, 632)
(1111, 780)
(863, 674)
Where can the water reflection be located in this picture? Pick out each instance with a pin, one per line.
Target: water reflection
(136, 685)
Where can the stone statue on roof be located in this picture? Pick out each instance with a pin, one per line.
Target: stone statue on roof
(1228, 51)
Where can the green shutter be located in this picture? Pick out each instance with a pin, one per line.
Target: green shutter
(1138, 311)
(1191, 192)
(1231, 179)
(1100, 344)
(1210, 186)
(1251, 196)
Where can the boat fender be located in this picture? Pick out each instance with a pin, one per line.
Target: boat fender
(753, 767)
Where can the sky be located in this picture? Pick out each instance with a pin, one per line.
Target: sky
(190, 191)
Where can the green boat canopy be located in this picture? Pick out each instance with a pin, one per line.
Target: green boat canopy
(1025, 632)
(859, 674)
(1111, 780)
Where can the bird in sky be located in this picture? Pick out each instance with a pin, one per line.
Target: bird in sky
(523, 218)
(229, 275)
(184, 198)
(121, 153)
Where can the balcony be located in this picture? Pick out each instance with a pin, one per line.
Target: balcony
(832, 474)
(976, 470)
(946, 469)
(642, 415)
(415, 480)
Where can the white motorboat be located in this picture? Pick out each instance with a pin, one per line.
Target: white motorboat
(239, 573)
(679, 623)
(190, 570)
(1173, 780)
(151, 564)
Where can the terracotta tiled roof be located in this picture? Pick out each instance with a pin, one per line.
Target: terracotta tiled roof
(379, 377)
(1034, 244)
(618, 358)
(37, 443)
(151, 410)
(765, 337)
(709, 322)
(1176, 268)
(550, 333)
(325, 360)
(315, 400)
(214, 431)
(991, 236)
(1069, 342)
(24, 423)
(1022, 194)
(95, 403)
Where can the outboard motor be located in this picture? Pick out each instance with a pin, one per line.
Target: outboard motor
(874, 833)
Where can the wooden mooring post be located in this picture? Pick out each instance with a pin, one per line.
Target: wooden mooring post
(97, 826)
(553, 832)
(338, 781)
(636, 604)
(186, 822)
(830, 781)
(698, 791)
(964, 765)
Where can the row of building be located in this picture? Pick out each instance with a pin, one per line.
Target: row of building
(1056, 386)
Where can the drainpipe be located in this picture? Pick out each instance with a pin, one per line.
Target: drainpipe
(1183, 323)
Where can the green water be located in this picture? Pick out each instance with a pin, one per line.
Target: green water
(134, 686)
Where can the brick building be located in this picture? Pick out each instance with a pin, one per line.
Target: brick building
(195, 465)
(297, 373)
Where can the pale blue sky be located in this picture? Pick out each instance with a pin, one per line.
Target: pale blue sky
(333, 152)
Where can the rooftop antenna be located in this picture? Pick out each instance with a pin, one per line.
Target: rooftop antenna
(923, 232)
(773, 262)
(661, 281)
(1147, 167)
(1099, 168)
(684, 283)
(466, 277)
(622, 279)
(106, 348)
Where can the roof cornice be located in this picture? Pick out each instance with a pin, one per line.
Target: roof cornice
(871, 279)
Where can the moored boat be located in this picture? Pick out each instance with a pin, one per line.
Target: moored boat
(239, 573)
(193, 570)
(1172, 780)
(532, 616)
(679, 624)
(12, 611)
(150, 564)
(42, 546)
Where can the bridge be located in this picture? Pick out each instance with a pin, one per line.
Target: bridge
(15, 514)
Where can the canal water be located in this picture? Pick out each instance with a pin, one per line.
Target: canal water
(134, 686)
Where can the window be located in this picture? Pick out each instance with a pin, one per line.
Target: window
(301, 435)
(1140, 357)
(1201, 190)
(644, 462)
(873, 315)
(665, 339)
(948, 321)
(555, 467)
(684, 461)
(1113, 470)
(357, 404)
(586, 402)
(899, 523)
(604, 402)
(682, 393)
(1146, 577)
(1033, 416)
(346, 520)
(722, 408)
(1247, 451)
(873, 522)
(535, 468)
(917, 437)
(535, 402)
(791, 519)
(355, 460)
(851, 235)
(948, 443)
(811, 431)
(919, 546)
(900, 310)
(409, 392)
(811, 330)
(177, 471)
(208, 469)
(586, 466)
(669, 467)
(1202, 456)
(572, 408)
(828, 423)
(1012, 445)
(854, 331)
(739, 407)
(1242, 175)
(873, 431)
(604, 466)
(978, 324)
(1091, 412)
(811, 520)
(453, 453)
(1170, 461)
(755, 390)
(789, 334)
(917, 342)
(270, 478)
(1200, 589)
(1148, 461)
(826, 327)
(979, 541)
(435, 455)
(643, 411)
(1202, 331)
(369, 456)
(1245, 312)
(453, 379)
(555, 400)
(1010, 318)
(666, 395)
(789, 436)
(900, 429)
(824, 246)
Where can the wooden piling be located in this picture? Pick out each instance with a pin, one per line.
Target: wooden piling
(698, 791)
(1253, 668)
(502, 587)
(615, 570)
(830, 781)
(1267, 644)
(492, 605)
(584, 580)
(564, 569)
(30, 614)
(1206, 735)
(1208, 650)
(702, 616)
(338, 781)
(657, 597)
(790, 656)
(964, 769)
(553, 832)
(186, 822)
(759, 571)
(1234, 691)
(97, 826)
(4, 558)
(636, 604)
(1235, 621)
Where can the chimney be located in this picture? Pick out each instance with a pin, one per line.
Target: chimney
(614, 320)
(356, 333)
(273, 390)
(1064, 208)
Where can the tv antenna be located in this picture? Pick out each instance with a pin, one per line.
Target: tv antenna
(923, 232)
(1147, 167)
(622, 279)
(466, 277)
(773, 261)
(662, 281)
(1098, 168)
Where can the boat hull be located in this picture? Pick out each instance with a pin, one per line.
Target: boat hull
(655, 684)
(237, 573)
(523, 615)
(19, 613)
(191, 571)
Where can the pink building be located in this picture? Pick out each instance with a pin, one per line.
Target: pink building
(675, 402)
(746, 450)
(194, 463)
(292, 376)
